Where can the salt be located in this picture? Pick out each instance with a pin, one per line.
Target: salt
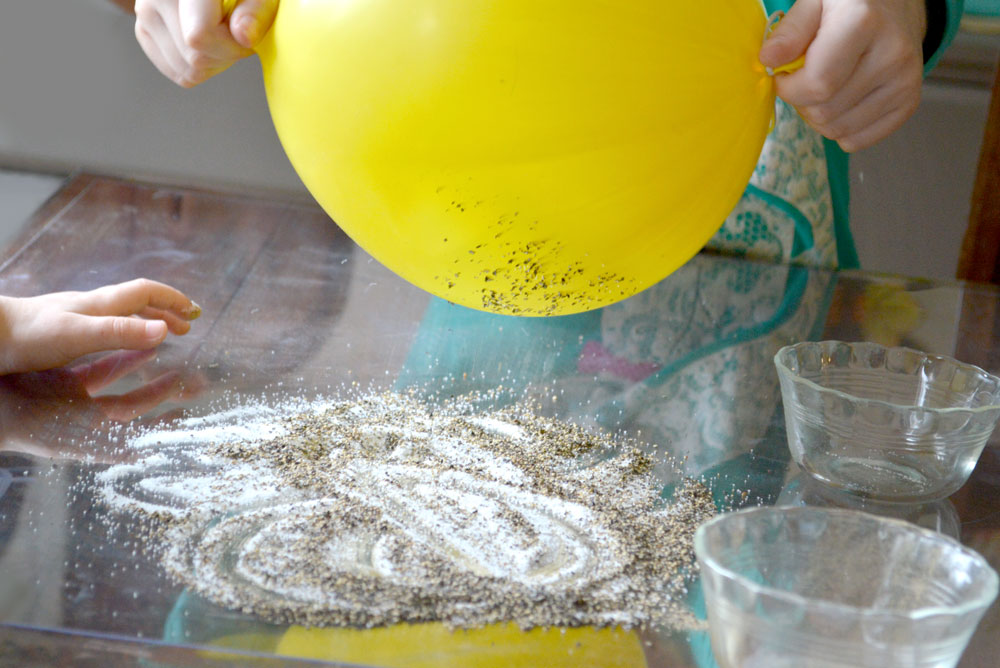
(383, 509)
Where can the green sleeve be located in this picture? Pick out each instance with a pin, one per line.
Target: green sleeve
(943, 17)
(775, 5)
(838, 173)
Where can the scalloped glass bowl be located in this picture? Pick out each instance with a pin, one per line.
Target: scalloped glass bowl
(832, 587)
(890, 423)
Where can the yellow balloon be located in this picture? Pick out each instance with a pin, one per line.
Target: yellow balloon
(434, 645)
(528, 157)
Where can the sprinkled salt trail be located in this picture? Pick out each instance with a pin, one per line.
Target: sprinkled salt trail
(383, 509)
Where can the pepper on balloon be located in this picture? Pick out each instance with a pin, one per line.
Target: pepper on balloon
(525, 157)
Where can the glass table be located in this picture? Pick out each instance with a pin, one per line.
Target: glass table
(292, 306)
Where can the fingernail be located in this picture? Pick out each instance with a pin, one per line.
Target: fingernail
(767, 53)
(248, 27)
(156, 329)
(192, 312)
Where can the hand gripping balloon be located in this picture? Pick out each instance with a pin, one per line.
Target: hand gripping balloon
(527, 157)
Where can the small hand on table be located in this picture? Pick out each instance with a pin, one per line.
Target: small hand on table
(38, 334)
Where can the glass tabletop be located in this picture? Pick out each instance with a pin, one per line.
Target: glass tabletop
(293, 309)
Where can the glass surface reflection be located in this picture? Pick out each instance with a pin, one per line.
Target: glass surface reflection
(940, 515)
(292, 309)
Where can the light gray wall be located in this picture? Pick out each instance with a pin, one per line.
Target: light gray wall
(911, 194)
(77, 91)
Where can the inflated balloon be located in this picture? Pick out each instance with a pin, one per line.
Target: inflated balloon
(530, 157)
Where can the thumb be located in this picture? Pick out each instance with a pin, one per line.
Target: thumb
(793, 34)
(251, 20)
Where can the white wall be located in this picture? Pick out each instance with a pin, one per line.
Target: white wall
(911, 194)
(77, 92)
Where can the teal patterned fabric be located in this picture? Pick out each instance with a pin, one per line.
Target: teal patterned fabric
(705, 337)
(787, 212)
(687, 363)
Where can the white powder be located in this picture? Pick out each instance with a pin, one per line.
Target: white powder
(385, 509)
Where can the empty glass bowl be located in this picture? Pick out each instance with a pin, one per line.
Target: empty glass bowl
(890, 423)
(811, 587)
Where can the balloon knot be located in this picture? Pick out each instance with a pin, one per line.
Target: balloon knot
(796, 64)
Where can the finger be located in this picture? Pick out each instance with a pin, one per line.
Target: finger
(832, 59)
(193, 55)
(893, 63)
(132, 404)
(164, 45)
(153, 52)
(203, 32)
(874, 132)
(175, 324)
(860, 85)
(793, 34)
(156, 43)
(95, 376)
(132, 297)
(251, 20)
(895, 95)
(165, 30)
(84, 334)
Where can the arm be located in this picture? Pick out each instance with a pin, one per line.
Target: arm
(52, 330)
(864, 62)
(190, 41)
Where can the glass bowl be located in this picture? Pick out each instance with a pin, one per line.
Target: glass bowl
(890, 423)
(823, 587)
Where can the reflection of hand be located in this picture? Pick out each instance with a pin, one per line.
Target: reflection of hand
(49, 331)
(863, 68)
(190, 41)
(36, 407)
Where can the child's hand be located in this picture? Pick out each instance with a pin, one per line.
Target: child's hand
(189, 41)
(52, 330)
(863, 68)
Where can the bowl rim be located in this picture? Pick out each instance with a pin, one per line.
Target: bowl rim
(981, 600)
(785, 371)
